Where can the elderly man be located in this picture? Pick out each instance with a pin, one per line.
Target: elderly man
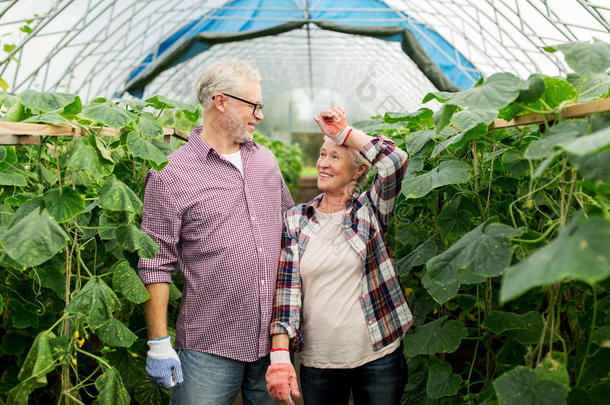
(216, 213)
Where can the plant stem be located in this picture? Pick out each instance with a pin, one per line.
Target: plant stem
(491, 174)
(584, 360)
(553, 314)
(476, 177)
(476, 347)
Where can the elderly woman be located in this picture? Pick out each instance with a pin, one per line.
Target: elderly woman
(338, 298)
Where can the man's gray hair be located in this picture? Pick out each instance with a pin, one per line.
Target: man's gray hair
(224, 75)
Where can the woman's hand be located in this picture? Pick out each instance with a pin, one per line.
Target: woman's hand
(333, 124)
(281, 377)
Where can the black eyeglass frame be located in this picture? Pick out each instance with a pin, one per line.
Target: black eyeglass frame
(255, 106)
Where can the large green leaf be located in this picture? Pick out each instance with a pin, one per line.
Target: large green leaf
(140, 147)
(499, 90)
(585, 145)
(562, 133)
(523, 386)
(471, 124)
(438, 336)
(148, 125)
(442, 382)
(191, 111)
(96, 301)
(415, 141)
(114, 333)
(524, 328)
(9, 159)
(420, 255)
(108, 114)
(125, 280)
(483, 252)
(13, 179)
(580, 252)
(84, 157)
(453, 220)
(110, 389)
(65, 204)
(49, 102)
(601, 336)
(39, 360)
(131, 238)
(448, 172)
(149, 393)
(584, 57)
(116, 196)
(48, 118)
(595, 167)
(34, 239)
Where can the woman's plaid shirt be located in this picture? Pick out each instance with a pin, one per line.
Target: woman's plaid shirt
(365, 221)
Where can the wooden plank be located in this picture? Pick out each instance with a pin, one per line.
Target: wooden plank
(570, 111)
(10, 139)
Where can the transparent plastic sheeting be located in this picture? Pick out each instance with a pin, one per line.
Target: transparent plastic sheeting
(91, 47)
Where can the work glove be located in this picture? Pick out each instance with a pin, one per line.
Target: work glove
(333, 124)
(163, 365)
(281, 377)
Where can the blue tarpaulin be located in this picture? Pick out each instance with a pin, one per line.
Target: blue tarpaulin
(239, 17)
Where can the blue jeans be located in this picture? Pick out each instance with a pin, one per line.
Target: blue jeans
(215, 380)
(379, 382)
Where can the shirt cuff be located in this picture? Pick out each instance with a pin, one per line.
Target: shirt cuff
(155, 276)
(281, 328)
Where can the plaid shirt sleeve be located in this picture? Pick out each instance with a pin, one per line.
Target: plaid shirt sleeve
(391, 163)
(286, 316)
(160, 221)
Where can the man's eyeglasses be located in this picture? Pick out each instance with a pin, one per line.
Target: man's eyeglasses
(257, 108)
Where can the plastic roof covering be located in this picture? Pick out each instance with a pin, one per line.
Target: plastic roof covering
(90, 47)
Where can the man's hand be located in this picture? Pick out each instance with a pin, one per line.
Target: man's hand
(333, 124)
(281, 378)
(163, 365)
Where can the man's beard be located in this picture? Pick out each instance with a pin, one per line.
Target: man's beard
(236, 129)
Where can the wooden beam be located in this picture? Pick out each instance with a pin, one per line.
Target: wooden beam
(570, 111)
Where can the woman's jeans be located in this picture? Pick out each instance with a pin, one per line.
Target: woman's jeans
(379, 382)
(215, 380)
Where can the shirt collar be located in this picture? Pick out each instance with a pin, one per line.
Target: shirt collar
(312, 206)
(202, 146)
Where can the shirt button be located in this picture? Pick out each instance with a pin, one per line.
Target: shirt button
(372, 321)
(260, 249)
(262, 282)
(253, 218)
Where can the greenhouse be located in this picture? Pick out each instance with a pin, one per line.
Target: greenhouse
(485, 255)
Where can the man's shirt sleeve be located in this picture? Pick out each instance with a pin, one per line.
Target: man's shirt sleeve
(287, 201)
(161, 221)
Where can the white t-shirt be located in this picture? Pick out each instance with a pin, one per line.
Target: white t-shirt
(235, 159)
(334, 330)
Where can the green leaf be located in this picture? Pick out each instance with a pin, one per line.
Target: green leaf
(174, 292)
(448, 172)
(46, 102)
(27, 207)
(553, 368)
(140, 147)
(111, 390)
(84, 157)
(9, 160)
(149, 393)
(101, 147)
(453, 220)
(535, 89)
(131, 238)
(594, 167)
(114, 333)
(13, 179)
(125, 280)
(524, 328)
(600, 392)
(585, 145)
(438, 336)
(148, 125)
(48, 118)
(483, 252)
(65, 204)
(499, 90)
(444, 117)
(580, 252)
(96, 301)
(129, 365)
(584, 57)
(559, 134)
(601, 336)
(116, 196)
(420, 255)
(16, 113)
(22, 316)
(472, 124)
(415, 141)
(442, 382)
(39, 360)
(440, 96)
(108, 114)
(191, 111)
(34, 239)
(522, 386)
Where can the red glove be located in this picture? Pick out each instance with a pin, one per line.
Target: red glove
(333, 124)
(281, 378)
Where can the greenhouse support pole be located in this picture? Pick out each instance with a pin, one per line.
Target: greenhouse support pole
(307, 18)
